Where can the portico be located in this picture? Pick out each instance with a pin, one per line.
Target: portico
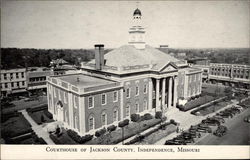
(164, 92)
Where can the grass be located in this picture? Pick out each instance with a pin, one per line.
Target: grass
(129, 131)
(36, 116)
(15, 126)
(159, 134)
(212, 108)
(64, 138)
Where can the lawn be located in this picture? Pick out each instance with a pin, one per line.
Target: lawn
(64, 138)
(36, 116)
(212, 108)
(129, 131)
(156, 136)
(196, 102)
(15, 126)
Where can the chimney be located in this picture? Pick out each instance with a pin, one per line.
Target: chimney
(164, 48)
(99, 56)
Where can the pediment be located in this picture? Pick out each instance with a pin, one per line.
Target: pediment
(169, 68)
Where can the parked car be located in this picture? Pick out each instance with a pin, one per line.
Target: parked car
(204, 128)
(225, 114)
(195, 134)
(219, 118)
(210, 122)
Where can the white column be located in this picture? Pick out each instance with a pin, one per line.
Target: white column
(82, 115)
(175, 90)
(121, 104)
(150, 92)
(163, 92)
(170, 92)
(157, 95)
(70, 101)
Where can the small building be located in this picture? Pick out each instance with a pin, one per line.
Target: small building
(36, 78)
(13, 81)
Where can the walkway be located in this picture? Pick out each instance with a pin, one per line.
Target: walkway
(38, 129)
(186, 119)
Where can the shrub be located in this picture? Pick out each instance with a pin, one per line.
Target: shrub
(86, 138)
(148, 116)
(48, 114)
(100, 132)
(111, 128)
(172, 121)
(123, 123)
(54, 139)
(158, 115)
(135, 117)
(74, 135)
(142, 118)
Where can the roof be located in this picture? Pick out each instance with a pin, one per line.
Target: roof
(84, 80)
(137, 12)
(128, 55)
(60, 61)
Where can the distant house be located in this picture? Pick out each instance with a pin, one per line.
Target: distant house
(60, 67)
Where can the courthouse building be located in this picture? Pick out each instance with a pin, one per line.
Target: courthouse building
(134, 78)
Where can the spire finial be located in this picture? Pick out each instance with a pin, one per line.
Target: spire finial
(137, 4)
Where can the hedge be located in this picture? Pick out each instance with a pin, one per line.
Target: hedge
(195, 103)
(123, 123)
(100, 132)
(147, 116)
(54, 139)
(158, 115)
(111, 128)
(45, 106)
(72, 134)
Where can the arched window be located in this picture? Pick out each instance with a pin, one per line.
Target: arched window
(104, 118)
(145, 104)
(137, 107)
(127, 111)
(91, 122)
(115, 115)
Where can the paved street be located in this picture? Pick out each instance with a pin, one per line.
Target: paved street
(238, 133)
(186, 119)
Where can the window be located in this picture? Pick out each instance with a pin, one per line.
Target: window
(22, 75)
(91, 123)
(115, 115)
(104, 99)
(128, 93)
(127, 110)
(23, 83)
(17, 76)
(17, 84)
(65, 97)
(75, 101)
(137, 90)
(145, 88)
(91, 102)
(12, 84)
(145, 104)
(6, 85)
(5, 76)
(104, 119)
(115, 96)
(137, 107)
(11, 75)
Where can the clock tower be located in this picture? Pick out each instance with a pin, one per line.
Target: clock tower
(137, 32)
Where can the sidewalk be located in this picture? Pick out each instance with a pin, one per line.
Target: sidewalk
(186, 119)
(38, 129)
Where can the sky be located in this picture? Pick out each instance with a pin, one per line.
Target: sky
(81, 24)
